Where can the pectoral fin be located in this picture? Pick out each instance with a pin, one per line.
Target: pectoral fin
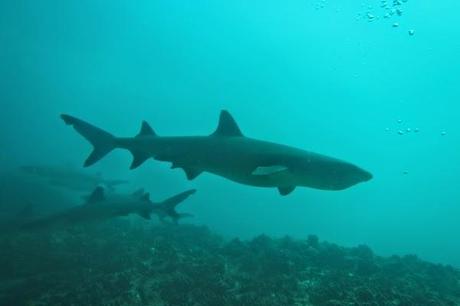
(138, 159)
(270, 170)
(286, 190)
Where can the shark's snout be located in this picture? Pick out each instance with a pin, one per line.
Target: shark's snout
(366, 176)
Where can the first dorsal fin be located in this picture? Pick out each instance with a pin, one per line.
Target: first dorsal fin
(96, 196)
(146, 130)
(138, 193)
(145, 197)
(227, 126)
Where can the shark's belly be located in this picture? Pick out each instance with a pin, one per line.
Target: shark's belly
(240, 167)
(256, 180)
(238, 158)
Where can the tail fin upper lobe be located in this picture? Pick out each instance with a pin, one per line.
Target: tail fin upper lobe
(102, 141)
(168, 206)
(173, 201)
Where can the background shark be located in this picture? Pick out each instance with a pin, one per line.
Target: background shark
(228, 153)
(12, 222)
(70, 177)
(99, 207)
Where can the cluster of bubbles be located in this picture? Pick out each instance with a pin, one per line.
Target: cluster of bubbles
(386, 9)
(377, 10)
(401, 130)
(320, 4)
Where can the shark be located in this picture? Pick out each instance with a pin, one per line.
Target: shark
(70, 177)
(12, 221)
(229, 154)
(99, 207)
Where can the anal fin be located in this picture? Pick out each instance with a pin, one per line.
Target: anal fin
(191, 173)
(286, 190)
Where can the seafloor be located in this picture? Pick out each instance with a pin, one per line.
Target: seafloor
(120, 264)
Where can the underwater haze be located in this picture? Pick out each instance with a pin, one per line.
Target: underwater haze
(373, 85)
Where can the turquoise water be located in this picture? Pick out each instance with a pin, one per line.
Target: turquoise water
(331, 77)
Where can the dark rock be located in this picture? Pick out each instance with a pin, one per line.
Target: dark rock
(118, 264)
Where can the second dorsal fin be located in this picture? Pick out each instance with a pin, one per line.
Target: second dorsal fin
(227, 126)
(96, 196)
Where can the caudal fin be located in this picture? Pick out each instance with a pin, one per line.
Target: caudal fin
(102, 141)
(169, 205)
(173, 201)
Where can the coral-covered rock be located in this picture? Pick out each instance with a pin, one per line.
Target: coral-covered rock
(119, 264)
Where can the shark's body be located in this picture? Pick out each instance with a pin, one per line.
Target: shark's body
(98, 208)
(70, 178)
(11, 223)
(229, 154)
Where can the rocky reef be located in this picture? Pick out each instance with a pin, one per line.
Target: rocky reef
(118, 263)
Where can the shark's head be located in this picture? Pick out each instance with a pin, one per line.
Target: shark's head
(349, 175)
(332, 176)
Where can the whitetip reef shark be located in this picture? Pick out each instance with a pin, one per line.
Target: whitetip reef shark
(230, 154)
(71, 178)
(99, 207)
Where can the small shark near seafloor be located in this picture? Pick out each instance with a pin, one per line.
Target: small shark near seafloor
(98, 208)
(71, 178)
(228, 153)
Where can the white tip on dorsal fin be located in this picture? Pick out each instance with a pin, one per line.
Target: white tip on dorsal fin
(96, 196)
(146, 130)
(227, 126)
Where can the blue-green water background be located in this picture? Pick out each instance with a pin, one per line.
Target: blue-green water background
(315, 76)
